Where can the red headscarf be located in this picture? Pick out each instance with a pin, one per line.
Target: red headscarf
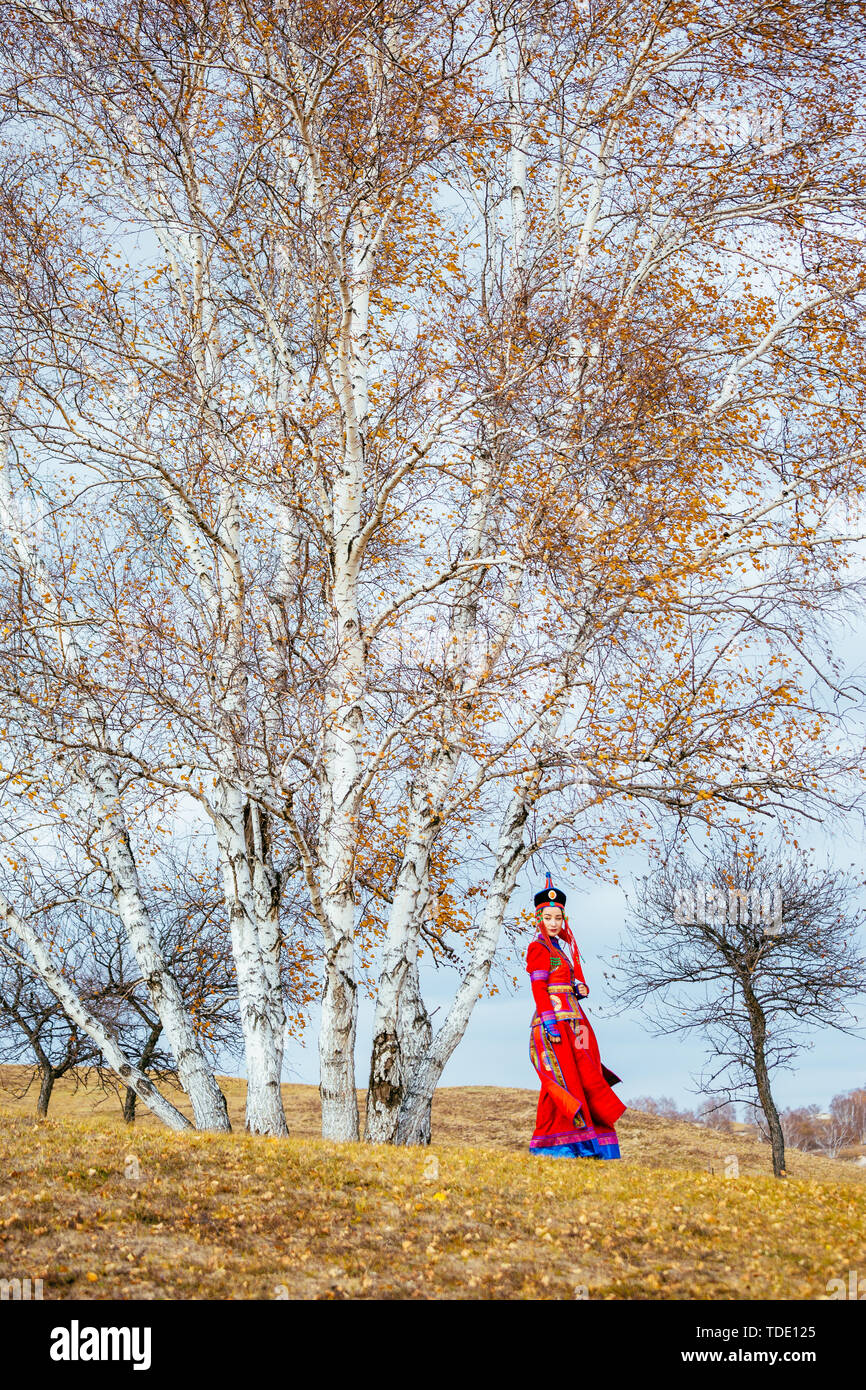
(565, 933)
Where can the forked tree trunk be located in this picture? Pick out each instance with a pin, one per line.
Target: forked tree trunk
(414, 1118)
(393, 1057)
(416, 1035)
(262, 1044)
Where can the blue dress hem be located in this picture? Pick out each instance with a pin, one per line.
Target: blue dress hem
(586, 1148)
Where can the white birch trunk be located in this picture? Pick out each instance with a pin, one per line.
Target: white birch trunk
(266, 897)
(415, 1032)
(251, 906)
(250, 888)
(512, 84)
(344, 719)
(337, 839)
(262, 1048)
(387, 1060)
(337, 1034)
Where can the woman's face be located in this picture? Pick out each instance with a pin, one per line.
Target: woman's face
(551, 916)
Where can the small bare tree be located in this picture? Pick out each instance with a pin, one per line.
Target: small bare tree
(36, 1034)
(748, 949)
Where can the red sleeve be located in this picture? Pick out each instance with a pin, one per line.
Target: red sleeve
(578, 976)
(538, 965)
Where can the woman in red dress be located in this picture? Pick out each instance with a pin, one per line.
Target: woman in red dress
(577, 1109)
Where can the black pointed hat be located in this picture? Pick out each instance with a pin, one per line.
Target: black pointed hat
(549, 894)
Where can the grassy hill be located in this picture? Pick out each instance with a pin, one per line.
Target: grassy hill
(96, 1209)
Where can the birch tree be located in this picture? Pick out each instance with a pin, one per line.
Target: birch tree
(467, 395)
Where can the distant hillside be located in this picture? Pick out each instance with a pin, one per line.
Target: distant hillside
(483, 1116)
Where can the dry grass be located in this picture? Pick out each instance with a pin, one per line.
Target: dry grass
(474, 1216)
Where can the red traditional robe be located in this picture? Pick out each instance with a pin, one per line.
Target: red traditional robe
(577, 1108)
